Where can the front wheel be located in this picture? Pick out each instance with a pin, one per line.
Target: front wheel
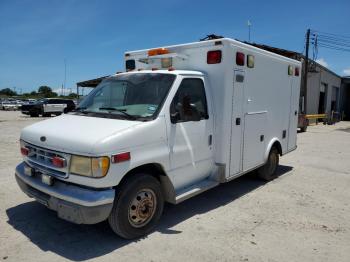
(268, 171)
(137, 207)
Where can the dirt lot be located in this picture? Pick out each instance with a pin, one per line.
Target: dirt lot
(304, 215)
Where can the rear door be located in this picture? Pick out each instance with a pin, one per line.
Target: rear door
(293, 114)
(55, 106)
(237, 123)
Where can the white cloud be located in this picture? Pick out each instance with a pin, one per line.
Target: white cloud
(346, 71)
(323, 62)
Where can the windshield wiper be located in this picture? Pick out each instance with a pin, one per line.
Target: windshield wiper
(82, 110)
(118, 110)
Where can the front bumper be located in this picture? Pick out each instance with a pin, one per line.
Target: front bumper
(76, 204)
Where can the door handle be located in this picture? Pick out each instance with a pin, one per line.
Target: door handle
(295, 112)
(210, 140)
(238, 121)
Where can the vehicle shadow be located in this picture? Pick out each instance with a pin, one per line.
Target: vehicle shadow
(82, 242)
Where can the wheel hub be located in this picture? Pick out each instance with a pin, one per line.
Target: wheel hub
(142, 208)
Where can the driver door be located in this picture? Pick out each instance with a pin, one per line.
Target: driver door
(190, 133)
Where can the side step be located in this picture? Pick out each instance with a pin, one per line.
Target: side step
(195, 189)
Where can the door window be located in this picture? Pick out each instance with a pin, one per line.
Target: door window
(189, 103)
(54, 101)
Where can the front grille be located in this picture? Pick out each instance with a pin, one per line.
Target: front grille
(41, 159)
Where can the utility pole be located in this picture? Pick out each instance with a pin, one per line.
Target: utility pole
(306, 67)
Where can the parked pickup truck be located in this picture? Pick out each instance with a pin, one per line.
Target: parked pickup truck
(181, 120)
(48, 106)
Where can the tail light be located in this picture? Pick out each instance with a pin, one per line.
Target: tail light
(214, 57)
(58, 162)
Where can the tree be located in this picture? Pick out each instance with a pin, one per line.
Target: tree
(7, 92)
(72, 95)
(45, 90)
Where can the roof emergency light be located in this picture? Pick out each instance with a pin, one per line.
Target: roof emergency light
(290, 70)
(250, 61)
(158, 51)
(166, 62)
(214, 57)
(240, 58)
(296, 72)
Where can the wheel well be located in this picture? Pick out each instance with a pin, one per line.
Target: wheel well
(158, 172)
(277, 145)
(153, 169)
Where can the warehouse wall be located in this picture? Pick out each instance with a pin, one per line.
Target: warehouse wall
(345, 98)
(324, 80)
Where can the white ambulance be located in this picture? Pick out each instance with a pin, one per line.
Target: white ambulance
(181, 120)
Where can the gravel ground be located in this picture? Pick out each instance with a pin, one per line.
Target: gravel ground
(303, 215)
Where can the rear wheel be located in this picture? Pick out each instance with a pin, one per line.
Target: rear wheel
(137, 206)
(268, 171)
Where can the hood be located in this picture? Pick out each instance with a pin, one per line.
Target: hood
(74, 133)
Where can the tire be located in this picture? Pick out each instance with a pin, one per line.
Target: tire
(303, 129)
(127, 219)
(268, 171)
(46, 114)
(65, 111)
(34, 114)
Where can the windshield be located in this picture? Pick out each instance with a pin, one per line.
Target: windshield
(131, 96)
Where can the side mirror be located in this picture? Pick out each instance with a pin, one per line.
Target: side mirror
(175, 117)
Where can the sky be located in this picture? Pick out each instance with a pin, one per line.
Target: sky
(37, 36)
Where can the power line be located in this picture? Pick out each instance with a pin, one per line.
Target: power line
(334, 47)
(330, 41)
(318, 42)
(330, 38)
(320, 39)
(331, 34)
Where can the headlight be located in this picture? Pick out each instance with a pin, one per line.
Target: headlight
(89, 166)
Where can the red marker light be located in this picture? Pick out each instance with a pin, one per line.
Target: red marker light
(24, 151)
(296, 71)
(121, 157)
(240, 57)
(58, 162)
(214, 57)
